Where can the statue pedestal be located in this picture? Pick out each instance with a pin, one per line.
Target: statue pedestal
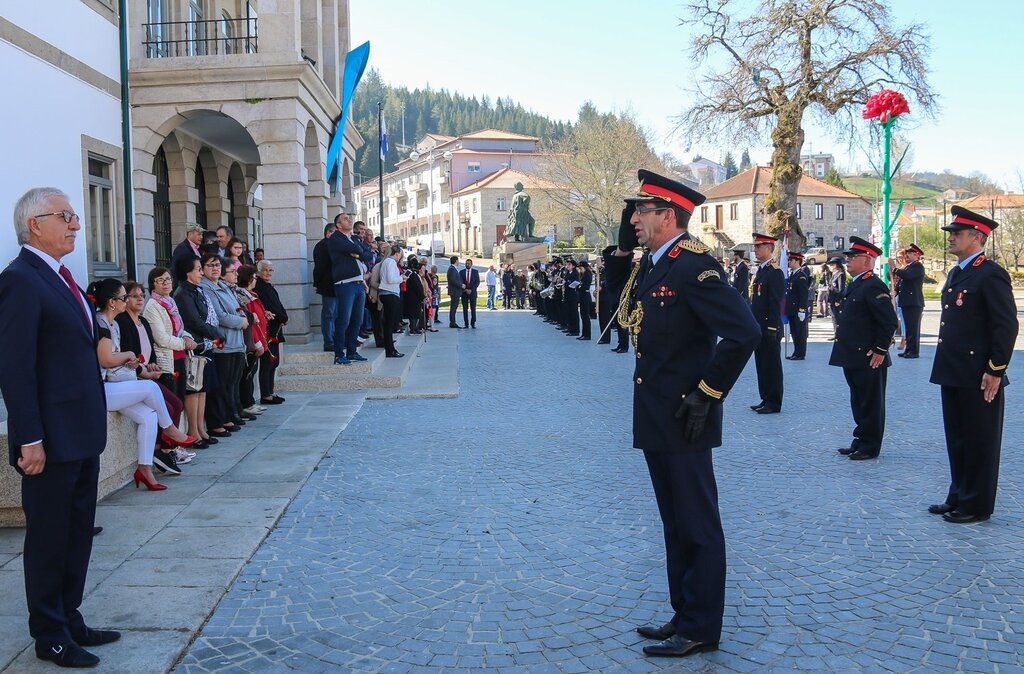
(521, 254)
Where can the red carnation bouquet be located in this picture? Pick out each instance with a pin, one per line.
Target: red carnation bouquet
(885, 105)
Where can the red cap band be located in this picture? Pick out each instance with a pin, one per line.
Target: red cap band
(980, 226)
(763, 239)
(864, 249)
(677, 199)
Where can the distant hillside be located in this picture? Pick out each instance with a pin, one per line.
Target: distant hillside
(430, 111)
(871, 189)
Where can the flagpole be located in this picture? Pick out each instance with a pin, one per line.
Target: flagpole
(380, 168)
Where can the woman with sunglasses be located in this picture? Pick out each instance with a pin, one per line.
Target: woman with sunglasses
(224, 407)
(139, 400)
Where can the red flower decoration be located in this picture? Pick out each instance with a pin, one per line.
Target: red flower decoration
(218, 343)
(142, 359)
(885, 105)
(177, 375)
(274, 340)
(274, 359)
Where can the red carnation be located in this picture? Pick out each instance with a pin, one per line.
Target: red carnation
(885, 105)
(142, 359)
(218, 343)
(177, 375)
(274, 359)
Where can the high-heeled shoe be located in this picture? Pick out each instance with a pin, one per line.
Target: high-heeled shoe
(151, 486)
(187, 442)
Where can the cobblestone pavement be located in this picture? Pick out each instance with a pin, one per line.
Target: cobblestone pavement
(514, 530)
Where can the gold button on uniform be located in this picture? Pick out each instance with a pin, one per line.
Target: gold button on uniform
(637, 354)
(940, 340)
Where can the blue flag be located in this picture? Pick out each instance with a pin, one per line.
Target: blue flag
(355, 64)
(383, 139)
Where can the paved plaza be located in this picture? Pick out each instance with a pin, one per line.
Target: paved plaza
(513, 529)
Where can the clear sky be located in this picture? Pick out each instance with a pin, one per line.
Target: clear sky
(552, 55)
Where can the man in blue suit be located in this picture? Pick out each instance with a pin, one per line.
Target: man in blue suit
(57, 422)
(470, 282)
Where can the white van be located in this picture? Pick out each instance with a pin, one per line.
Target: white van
(422, 245)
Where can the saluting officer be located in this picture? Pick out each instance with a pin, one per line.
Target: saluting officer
(797, 287)
(766, 303)
(866, 322)
(741, 273)
(692, 335)
(911, 300)
(977, 330)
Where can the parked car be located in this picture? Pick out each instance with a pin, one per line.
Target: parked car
(818, 255)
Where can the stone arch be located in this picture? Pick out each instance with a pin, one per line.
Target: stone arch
(211, 187)
(237, 199)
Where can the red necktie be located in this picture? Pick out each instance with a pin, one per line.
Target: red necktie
(73, 287)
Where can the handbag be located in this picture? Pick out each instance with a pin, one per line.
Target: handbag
(116, 375)
(195, 369)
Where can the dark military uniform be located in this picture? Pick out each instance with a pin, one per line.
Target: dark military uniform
(696, 334)
(866, 324)
(797, 287)
(586, 302)
(911, 302)
(570, 302)
(977, 330)
(741, 279)
(766, 303)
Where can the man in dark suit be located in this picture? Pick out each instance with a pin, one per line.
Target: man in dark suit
(323, 283)
(977, 330)
(455, 289)
(766, 303)
(797, 286)
(190, 246)
(586, 303)
(470, 278)
(693, 335)
(741, 273)
(911, 300)
(57, 422)
(866, 324)
(570, 299)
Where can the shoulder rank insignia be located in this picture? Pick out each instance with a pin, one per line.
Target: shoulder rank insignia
(663, 291)
(708, 274)
(978, 260)
(690, 246)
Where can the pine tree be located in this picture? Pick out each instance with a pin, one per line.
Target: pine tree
(730, 166)
(833, 178)
(745, 161)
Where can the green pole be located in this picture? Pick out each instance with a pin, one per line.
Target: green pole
(126, 144)
(886, 192)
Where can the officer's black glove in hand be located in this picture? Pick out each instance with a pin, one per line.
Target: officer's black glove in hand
(694, 414)
(627, 235)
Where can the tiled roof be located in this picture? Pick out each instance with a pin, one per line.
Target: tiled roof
(983, 202)
(506, 178)
(495, 134)
(755, 181)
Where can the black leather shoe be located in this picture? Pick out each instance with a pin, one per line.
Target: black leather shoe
(912, 356)
(767, 410)
(902, 355)
(861, 456)
(679, 646)
(657, 633)
(757, 406)
(957, 517)
(794, 357)
(96, 531)
(940, 509)
(846, 451)
(220, 434)
(394, 354)
(91, 637)
(67, 655)
(620, 349)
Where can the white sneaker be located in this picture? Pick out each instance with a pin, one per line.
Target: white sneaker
(253, 409)
(261, 408)
(182, 456)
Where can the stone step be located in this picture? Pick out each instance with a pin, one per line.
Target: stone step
(292, 367)
(379, 372)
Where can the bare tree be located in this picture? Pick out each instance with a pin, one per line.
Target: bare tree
(1011, 237)
(790, 57)
(597, 162)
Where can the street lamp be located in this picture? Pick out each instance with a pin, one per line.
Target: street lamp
(431, 158)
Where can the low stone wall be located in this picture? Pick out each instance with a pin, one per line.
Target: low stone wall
(117, 463)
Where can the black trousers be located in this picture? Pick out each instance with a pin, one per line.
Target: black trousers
(60, 511)
(571, 314)
(247, 385)
(974, 437)
(912, 320)
(375, 317)
(586, 309)
(469, 308)
(268, 368)
(768, 361)
(684, 485)
(867, 402)
(389, 322)
(223, 403)
(453, 309)
(798, 329)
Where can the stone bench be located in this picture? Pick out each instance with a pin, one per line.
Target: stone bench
(117, 463)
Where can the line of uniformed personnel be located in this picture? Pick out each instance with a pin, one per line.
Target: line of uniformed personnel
(562, 292)
(693, 334)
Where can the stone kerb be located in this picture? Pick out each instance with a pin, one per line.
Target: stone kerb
(117, 463)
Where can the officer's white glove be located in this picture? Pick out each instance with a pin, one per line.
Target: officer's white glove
(801, 315)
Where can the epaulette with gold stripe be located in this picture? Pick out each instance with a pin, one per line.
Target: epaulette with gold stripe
(691, 246)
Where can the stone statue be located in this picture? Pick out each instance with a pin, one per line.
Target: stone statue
(520, 222)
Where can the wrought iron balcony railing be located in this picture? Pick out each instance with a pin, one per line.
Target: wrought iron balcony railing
(200, 38)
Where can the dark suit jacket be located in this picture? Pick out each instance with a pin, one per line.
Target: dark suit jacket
(797, 287)
(977, 328)
(866, 323)
(455, 284)
(49, 374)
(741, 279)
(697, 334)
(323, 281)
(472, 282)
(181, 250)
(911, 282)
